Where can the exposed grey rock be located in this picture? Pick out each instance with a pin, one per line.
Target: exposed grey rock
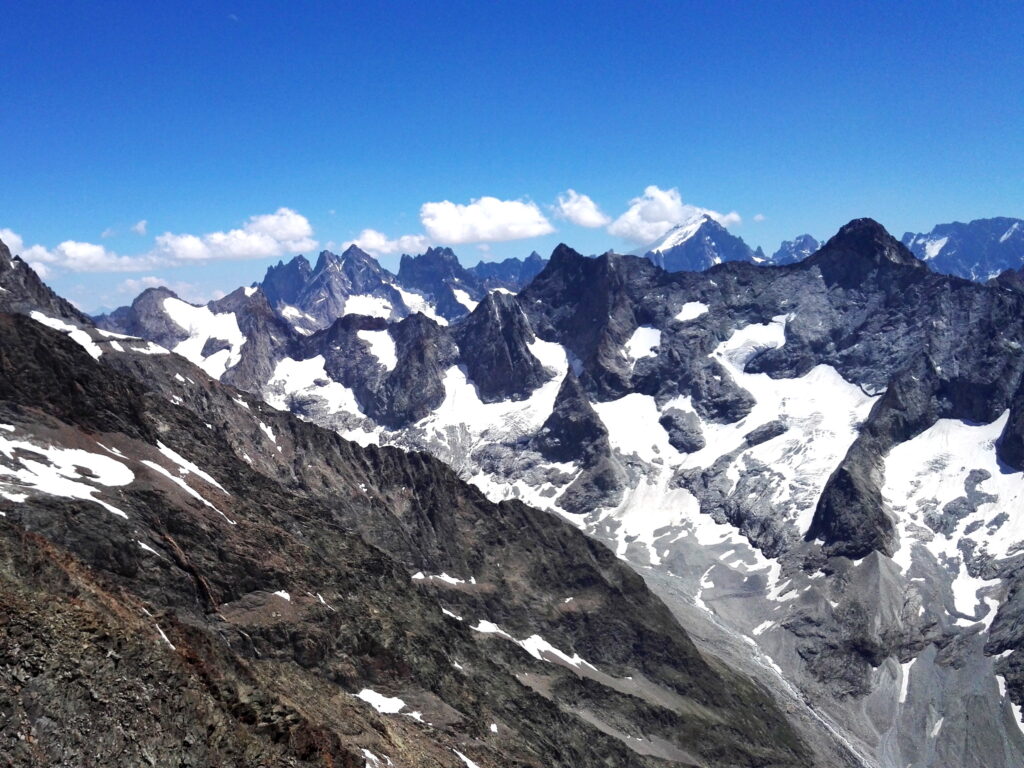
(494, 346)
(684, 432)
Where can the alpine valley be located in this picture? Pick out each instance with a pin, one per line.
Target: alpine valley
(693, 506)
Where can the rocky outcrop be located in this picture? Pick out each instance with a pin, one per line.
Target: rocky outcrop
(494, 346)
(21, 290)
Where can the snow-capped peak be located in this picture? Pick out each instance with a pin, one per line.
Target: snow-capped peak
(678, 235)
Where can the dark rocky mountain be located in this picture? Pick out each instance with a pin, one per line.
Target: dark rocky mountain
(792, 251)
(232, 585)
(510, 274)
(817, 466)
(283, 283)
(22, 291)
(977, 250)
(438, 274)
(695, 245)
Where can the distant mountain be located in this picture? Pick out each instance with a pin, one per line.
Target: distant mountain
(697, 244)
(798, 249)
(978, 250)
(438, 274)
(510, 274)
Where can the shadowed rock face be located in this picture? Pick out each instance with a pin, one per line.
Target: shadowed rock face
(510, 274)
(494, 346)
(146, 318)
(284, 283)
(21, 290)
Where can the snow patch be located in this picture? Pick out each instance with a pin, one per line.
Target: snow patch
(202, 325)
(464, 299)
(58, 473)
(371, 306)
(382, 346)
(76, 334)
(309, 378)
(691, 310)
(933, 247)
(643, 343)
(383, 704)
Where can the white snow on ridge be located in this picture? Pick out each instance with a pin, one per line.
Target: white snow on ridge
(643, 343)
(60, 476)
(202, 324)
(364, 304)
(930, 470)
(160, 469)
(1009, 233)
(678, 235)
(464, 299)
(76, 334)
(933, 247)
(308, 378)
(186, 467)
(691, 310)
(386, 705)
(382, 346)
(420, 576)
(535, 645)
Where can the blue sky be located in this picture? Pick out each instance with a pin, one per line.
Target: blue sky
(249, 129)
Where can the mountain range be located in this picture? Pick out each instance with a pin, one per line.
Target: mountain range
(686, 507)
(979, 250)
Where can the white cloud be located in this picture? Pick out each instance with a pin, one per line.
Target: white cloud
(266, 236)
(12, 240)
(759, 217)
(36, 256)
(108, 232)
(486, 219)
(580, 210)
(139, 227)
(378, 244)
(658, 210)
